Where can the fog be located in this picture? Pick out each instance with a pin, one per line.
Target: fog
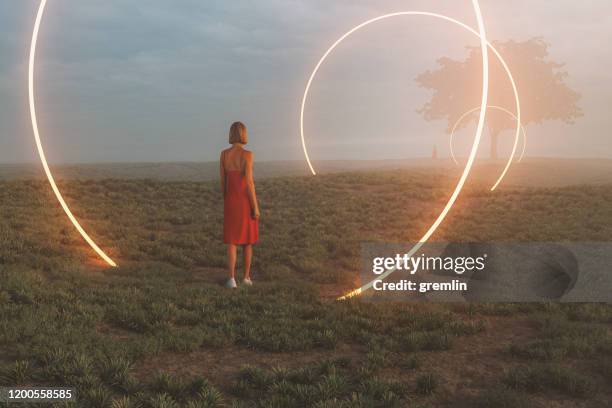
(121, 81)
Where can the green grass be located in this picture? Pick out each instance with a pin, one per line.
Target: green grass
(66, 319)
(426, 384)
(563, 338)
(502, 397)
(324, 384)
(534, 378)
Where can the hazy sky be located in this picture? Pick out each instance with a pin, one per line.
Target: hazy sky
(120, 80)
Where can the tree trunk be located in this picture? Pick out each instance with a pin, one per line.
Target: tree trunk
(494, 140)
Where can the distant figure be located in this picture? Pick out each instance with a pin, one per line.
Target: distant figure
(434, 154)
(241, 212)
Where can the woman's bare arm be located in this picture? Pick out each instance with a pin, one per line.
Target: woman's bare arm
(222, 173)
(251, 185)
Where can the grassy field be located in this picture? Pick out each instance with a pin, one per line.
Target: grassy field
(160, 330)
(531, 172)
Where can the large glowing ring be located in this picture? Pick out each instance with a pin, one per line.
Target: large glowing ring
(418, 13)
(485, 94)
(452, 134)
(41, 152)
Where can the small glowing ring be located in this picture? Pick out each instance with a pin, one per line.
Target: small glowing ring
(484, 44)
(413, 13)
(452, 134)
(39, 146)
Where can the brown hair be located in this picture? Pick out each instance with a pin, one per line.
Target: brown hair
(238, 133)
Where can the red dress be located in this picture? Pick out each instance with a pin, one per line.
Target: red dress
(239, 227)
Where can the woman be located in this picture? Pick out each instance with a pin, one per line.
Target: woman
(241, 212)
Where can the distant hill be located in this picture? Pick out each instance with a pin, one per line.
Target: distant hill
(531, 172)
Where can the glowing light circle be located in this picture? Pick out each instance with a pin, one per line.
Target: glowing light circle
(416, 13)
(485, 93)
(462, 117)
(41, 152)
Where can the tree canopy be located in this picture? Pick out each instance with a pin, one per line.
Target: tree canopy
(541, 83)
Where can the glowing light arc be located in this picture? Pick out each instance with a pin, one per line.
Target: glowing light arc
(39, 146)
(415, 13)
(485, 91)
(462, 117)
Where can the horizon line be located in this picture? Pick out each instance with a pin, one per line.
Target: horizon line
(125, 162)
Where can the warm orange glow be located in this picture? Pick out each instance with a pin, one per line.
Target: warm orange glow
(39, 146)
(452, 134)
(484, 44)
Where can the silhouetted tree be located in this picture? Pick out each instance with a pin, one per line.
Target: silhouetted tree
(544, 95)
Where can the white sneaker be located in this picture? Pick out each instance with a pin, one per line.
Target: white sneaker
(247, 282)
(231, 283)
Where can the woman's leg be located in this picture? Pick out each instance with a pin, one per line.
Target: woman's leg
(247, 253)
(231, 260)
